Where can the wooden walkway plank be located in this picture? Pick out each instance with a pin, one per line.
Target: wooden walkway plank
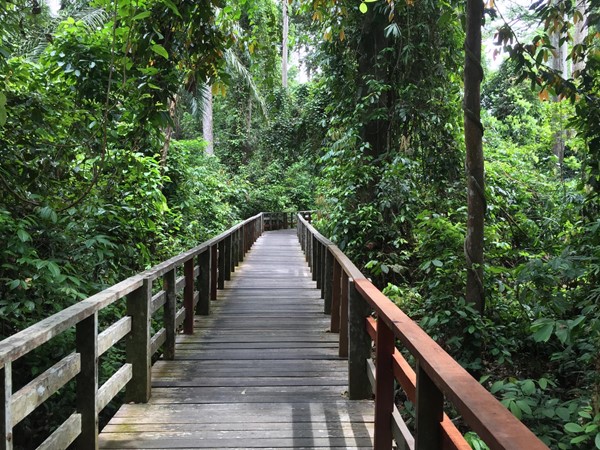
(262, 371)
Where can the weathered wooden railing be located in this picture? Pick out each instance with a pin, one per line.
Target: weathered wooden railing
(283, 220)
(352, 300)
(205, 269)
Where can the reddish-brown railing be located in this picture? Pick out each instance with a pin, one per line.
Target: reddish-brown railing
(352, 300)
(205, 269)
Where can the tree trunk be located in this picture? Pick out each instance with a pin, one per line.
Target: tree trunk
(249, 118)
(168, 132)
(559, 64)
(207, 122)
(284, 45)
(375, 131)
(474, 156)
(581, 31)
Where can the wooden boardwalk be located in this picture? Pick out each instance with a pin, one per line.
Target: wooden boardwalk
(261, 371)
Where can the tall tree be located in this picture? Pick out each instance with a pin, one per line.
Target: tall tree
(284, 45)
(207, 122)
(474, 156)
(558, 62)
(581, 30)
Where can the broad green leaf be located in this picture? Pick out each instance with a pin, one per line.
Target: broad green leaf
(172, 7)
(53, 268)
(142, 15)
(23, 235)
(544, 332)
(572, 427)
(573, 323)
(437, 263)
(363, 8)
(563, 413)
(597, 441)
(160, 50)
(524, 406)
(515, 409)
(528, 387)
(562, 333)
(14, 284)
(590, 428)
(578, 439)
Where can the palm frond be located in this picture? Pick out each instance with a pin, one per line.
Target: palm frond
(37, 41)
(235, 67)
(92, 18)
(195, 100)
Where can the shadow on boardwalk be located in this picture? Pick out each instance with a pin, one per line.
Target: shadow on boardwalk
(260, 372)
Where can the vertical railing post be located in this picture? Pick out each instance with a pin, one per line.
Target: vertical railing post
(319, 266)
(203, 306)
(227, 258)
(384, 387)
(138, 344)
(221, 280)
(321, 272)
(359, 345)
(314, 258)
(214, 268)
(235, 248)
(243, 242)
(5, 396)
(429, 411)
(328, 280)
(170, 312)
(240, 248)
(260, 229)
(308, 245)
(188, 296)
(343, 336)
(86, 344)
(336, 292)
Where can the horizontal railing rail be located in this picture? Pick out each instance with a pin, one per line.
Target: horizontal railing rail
(284, 220)
(205, 270)
(363, 315)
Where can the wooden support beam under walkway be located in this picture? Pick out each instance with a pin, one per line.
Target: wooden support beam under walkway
(262, 371)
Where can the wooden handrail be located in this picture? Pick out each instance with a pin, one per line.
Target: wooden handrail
(201, 274)
(437, 376)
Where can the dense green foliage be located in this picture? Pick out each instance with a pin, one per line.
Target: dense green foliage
(400, 209)
(94, 189)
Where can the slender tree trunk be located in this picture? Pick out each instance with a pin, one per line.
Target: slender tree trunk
(474, 157)
(581, 31)
(168, 132)
(284, 45)
(249, 118)
(559, 64)
(207, 122)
